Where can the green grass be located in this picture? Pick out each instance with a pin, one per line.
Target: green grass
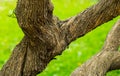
(10, 33)
(78, 51)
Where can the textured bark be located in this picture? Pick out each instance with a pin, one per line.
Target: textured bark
(108, 59)
(46, 36)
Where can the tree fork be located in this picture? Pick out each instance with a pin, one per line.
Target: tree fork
(46, 36)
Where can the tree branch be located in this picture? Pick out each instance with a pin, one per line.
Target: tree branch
(113, 39)
(107, 60)
(33, 14)
(103, 11)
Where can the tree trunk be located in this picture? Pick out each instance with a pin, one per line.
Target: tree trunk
(46, 36)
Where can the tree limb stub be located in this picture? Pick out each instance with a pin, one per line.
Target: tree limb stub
(107, 60)
(46, 36)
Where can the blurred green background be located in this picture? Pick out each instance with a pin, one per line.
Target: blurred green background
(79, 50)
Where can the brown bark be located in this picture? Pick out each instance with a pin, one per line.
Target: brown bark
(108, 59)
(46, 36)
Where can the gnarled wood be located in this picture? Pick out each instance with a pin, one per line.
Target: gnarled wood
(46, 36)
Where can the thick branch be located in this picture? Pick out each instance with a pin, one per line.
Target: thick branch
(89, 19)
(43, 39)
(107, 60)
(34, 14)
(113, 39)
